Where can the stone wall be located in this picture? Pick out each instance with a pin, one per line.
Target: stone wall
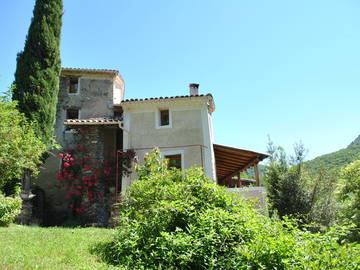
(94, 99)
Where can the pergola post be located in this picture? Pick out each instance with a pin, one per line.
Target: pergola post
(257, 175)
(239, 180)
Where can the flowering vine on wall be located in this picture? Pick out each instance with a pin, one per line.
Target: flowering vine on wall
(87, 176)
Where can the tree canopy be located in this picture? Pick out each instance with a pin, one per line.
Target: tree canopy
(38, 68)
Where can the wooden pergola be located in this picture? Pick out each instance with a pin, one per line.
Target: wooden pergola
(230, 162)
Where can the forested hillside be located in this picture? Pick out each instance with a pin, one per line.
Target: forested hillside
(336, 159)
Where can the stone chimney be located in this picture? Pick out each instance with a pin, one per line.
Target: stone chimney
(194, 89)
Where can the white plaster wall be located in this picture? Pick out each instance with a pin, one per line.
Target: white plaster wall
(185, 129)
(189, 133)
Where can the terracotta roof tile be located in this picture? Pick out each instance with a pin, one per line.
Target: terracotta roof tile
(91, 70)
(161, 98)
(93, 121)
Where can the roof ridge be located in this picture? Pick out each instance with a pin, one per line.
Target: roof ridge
(162, 98)
(90, 69)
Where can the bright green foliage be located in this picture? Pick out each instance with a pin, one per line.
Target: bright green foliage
(292, 191)
(181, 220)
(38, 68)
(349, 196)
(20, 148)
(286, 183)
(9, 209)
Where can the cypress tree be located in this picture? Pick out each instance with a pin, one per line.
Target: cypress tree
(38, 68)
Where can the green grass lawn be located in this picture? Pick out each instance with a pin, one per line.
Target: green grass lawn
(23, 247)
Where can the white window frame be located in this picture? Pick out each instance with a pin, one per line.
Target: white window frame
(158, 118)
(78, 86)
(174, 152)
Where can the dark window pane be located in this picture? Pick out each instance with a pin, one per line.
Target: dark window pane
(73, 87)
(72, 114)
(164, 118)
(174, 161)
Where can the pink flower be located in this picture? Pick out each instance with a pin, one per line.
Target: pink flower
(66, 165)
(60, 155)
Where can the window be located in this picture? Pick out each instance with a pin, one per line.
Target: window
(72, 114)
(73, 85)
(174, 161)
(164, 118)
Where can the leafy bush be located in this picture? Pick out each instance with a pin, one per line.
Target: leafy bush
(294, 192)
(20, 148)
(286, 183)
(349, 196)
(9, 209)
(181, 220)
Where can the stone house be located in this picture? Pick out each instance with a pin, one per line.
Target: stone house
(181, 127)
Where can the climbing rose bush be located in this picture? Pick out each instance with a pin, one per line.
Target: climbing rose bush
(86, 178)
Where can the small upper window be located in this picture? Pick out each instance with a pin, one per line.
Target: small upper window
(164, 118)
(72, 114)
(174, 161)
(73, 85)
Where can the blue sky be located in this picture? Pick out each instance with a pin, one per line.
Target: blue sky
(288, 69)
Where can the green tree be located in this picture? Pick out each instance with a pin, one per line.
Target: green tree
(293, 191)
(38, 68)
(286, 182)
(349, 196)
(20, 148)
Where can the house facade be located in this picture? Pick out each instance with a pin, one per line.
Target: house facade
(181, 127)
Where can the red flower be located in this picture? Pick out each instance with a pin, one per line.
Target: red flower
(66, 165)
(86, 167)
(80, 210)
(60, 155)
(107, 171)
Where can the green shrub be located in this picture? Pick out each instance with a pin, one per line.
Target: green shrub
(9, 209)
(349, 196)
(181, 220)
(20, 148)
